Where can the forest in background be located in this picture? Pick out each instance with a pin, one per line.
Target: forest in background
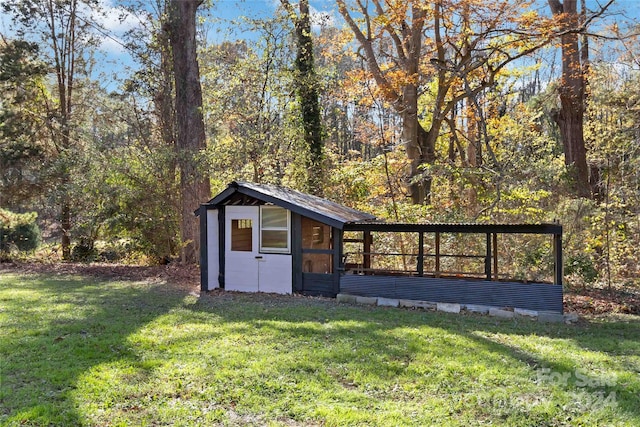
(446, 111)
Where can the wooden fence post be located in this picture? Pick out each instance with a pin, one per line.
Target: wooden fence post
(437, 272)
(495, 257)
(367, 240)
(420, 254)
(487, 259)
(557, 252)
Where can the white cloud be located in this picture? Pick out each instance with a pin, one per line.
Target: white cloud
(112, 45)
(321, 19)
(111, 22)
(115, 18)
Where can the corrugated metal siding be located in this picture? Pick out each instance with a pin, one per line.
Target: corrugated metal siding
(318, 284)
(531, 296)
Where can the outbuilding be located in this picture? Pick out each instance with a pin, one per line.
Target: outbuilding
(266, 238)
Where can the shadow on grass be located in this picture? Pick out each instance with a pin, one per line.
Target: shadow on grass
(53, 330)
(592, 365)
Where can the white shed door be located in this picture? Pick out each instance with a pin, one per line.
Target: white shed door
(246, 269)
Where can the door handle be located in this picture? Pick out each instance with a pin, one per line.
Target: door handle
(259, 257)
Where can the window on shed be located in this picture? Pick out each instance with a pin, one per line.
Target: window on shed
(315, 235)
(275, 230)
(241, 235)
(317, 252)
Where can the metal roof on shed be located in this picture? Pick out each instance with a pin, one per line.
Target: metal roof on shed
(348, 219)
(313, 207)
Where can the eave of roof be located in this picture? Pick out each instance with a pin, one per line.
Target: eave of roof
(349, 219)
(454, 227)
(313, 207)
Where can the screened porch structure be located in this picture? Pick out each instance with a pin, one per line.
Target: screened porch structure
(266, 238)
(452, 263)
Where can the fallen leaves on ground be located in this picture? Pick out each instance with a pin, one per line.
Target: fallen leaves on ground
(184, 276)
(602, 301)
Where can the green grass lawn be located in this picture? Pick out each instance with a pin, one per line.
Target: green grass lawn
(84, 351)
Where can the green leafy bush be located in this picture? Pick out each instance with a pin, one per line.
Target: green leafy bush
(582, 266)
(84, 251)
(19, 231)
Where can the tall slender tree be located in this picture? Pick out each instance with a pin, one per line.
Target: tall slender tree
(403, 25)
(68, 41)
(572, 90)
(306, 82)
(191, 139)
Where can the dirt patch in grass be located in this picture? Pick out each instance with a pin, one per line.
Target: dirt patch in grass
(602, 301)
(185, 277)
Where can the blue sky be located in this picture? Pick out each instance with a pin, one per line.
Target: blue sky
(225, 11)
(218, 24)
(114, 58)
(221, 12)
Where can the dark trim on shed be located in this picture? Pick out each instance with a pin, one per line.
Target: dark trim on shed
(204, 250)
(221, 240)
(455, 228)
(559, 266)
(316, 208)
(296, 252)
(338, 265)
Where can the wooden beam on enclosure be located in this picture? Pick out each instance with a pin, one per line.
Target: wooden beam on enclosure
(487, 259)
(495, 257)
(338, 266)
(367, 241)
(420, 254)
(437, 272)
(557, 252)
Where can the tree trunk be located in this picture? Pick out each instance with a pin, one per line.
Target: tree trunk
(421, 153)
(65, 226)
(570, 117)
(420, 143)
(194, 185)
(164, 106)
(411, 130)
(306, 82)
(64, 56)
(163, 97)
